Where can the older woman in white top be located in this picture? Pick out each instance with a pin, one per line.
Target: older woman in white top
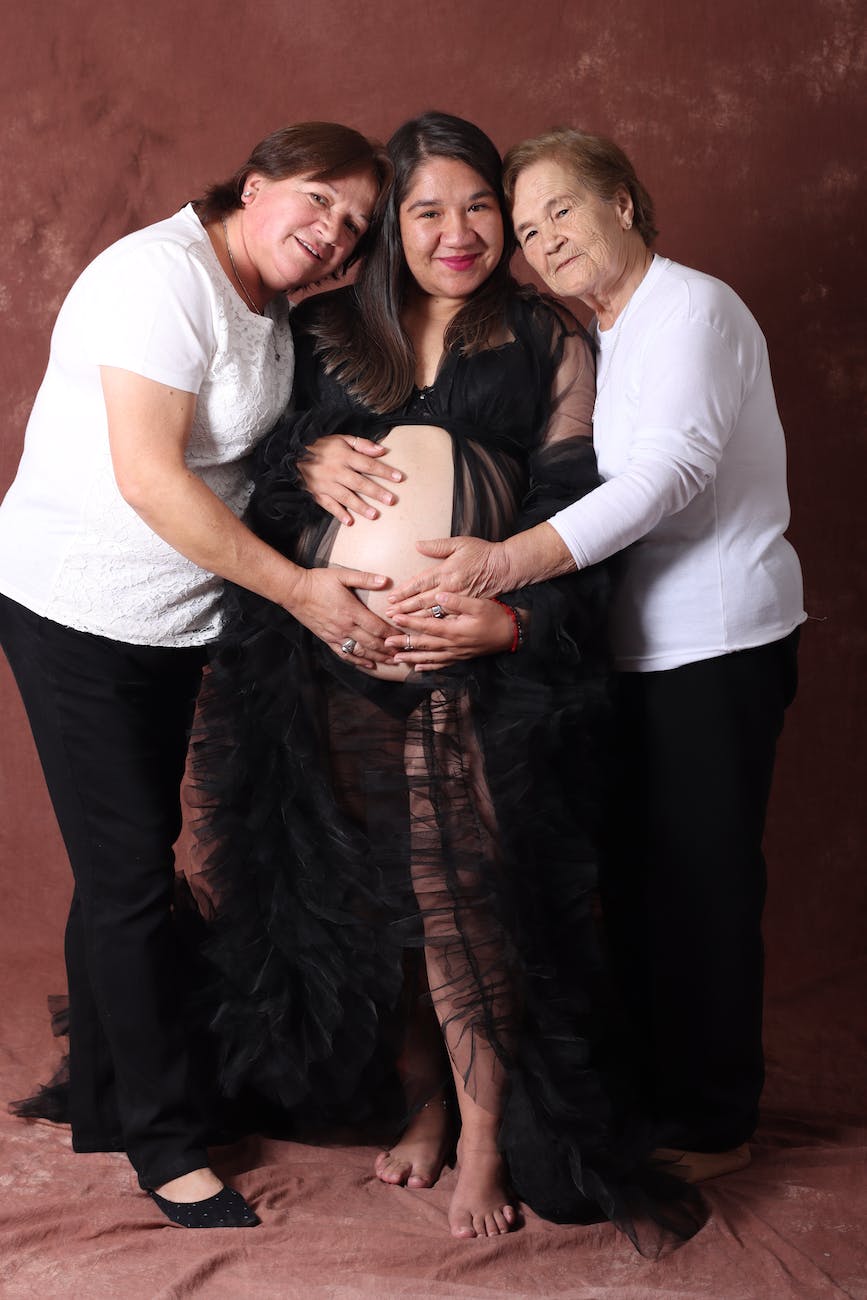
(703, 634)
(170, 359)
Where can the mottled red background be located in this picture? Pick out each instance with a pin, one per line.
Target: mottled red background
(745, 122)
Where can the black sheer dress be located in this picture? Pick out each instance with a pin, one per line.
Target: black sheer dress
(367, 842)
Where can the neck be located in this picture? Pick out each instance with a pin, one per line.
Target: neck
(425, 309)
(609, 304)
(425, 319)
(241, 269)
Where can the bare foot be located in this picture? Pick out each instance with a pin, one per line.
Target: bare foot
(417, 1159)
(699, 1166)
(481, 1205)
(195, 1186)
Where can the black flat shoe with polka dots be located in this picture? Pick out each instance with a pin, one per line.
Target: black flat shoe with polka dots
(227, 1209)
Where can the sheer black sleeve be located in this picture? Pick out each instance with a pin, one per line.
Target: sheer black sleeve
(569, 612)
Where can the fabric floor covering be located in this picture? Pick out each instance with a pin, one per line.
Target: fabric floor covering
(791, 1225)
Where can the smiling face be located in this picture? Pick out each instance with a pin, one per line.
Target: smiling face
(451, 228)
(298, 230)
(579, 244)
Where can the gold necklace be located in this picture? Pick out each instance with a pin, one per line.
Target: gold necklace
(244, 290)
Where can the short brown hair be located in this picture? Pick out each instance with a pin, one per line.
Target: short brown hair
(321, 150)
(598, 164)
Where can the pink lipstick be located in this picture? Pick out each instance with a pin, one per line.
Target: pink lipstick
(462, 263)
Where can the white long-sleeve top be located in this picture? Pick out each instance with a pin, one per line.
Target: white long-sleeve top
(690, 446)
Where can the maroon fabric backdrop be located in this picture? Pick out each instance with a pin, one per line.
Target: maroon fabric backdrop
(743, 120)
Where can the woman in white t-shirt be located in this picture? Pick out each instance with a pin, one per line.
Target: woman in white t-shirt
(704, 628)
(171, 357)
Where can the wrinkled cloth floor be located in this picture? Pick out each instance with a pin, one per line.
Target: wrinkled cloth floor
(791, 1225)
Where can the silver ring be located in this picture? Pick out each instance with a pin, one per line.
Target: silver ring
(353, 442)
(348, 646)
(407, 645)
(437, 611)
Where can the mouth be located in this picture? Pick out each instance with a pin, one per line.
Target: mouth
(460, 263)
(561, 266)
(308, 248)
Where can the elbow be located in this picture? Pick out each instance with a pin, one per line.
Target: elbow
(140, 488)
(133, 488)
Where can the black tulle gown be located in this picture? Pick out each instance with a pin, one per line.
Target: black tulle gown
(355, 831)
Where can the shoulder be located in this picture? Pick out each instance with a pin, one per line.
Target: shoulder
(171, 259)
(550, 318)
(325, 311)
(682, 292)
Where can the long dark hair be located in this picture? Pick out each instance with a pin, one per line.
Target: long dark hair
(368, 348)
(321, 150)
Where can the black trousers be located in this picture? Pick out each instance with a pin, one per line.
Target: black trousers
(683, 883)
(111, 724)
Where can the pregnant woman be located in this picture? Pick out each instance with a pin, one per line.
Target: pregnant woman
(399, 858)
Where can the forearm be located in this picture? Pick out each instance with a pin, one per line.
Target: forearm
(534, 556)
(627, 507)
(182, 510)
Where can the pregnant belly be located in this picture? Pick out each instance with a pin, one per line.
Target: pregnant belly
(423, 510)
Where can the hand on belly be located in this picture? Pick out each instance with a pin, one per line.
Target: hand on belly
(423, 510)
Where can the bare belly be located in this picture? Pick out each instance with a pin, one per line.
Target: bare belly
(423, 510)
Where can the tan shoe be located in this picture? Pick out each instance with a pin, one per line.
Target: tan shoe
(699, 1166)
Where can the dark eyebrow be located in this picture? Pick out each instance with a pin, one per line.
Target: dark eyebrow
(434, 203)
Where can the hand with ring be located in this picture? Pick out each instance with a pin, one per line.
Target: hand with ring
(347, 647)
(452, 629)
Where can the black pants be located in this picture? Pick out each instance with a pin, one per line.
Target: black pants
(111, 724)
(683, 883)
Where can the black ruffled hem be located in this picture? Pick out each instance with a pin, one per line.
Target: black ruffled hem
(315, 908)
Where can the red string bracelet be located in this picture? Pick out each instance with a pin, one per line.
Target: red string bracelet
(517, 625)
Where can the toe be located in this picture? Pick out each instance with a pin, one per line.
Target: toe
(480, 1227)
(500, 1221)
(462, 1225)
(391, 1170)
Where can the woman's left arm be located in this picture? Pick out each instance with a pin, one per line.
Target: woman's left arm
(691, 392)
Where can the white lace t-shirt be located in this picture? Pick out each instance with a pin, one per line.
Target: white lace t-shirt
(159, 304)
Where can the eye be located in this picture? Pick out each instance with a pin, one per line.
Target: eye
(319, 198)
(432, 212)
(561, 212)
(352, 228)
(479, 207)
(528, 235)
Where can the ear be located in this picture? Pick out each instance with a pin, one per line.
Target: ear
(623, 207)
(252, 185)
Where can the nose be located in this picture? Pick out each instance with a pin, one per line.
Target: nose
(328, 224)
(457, 231)
(552, 238)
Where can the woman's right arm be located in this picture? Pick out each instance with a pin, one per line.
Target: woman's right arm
(149, 425)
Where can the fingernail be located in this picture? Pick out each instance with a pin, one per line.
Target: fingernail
(371, 514)
(397, 476)
(389, 499)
